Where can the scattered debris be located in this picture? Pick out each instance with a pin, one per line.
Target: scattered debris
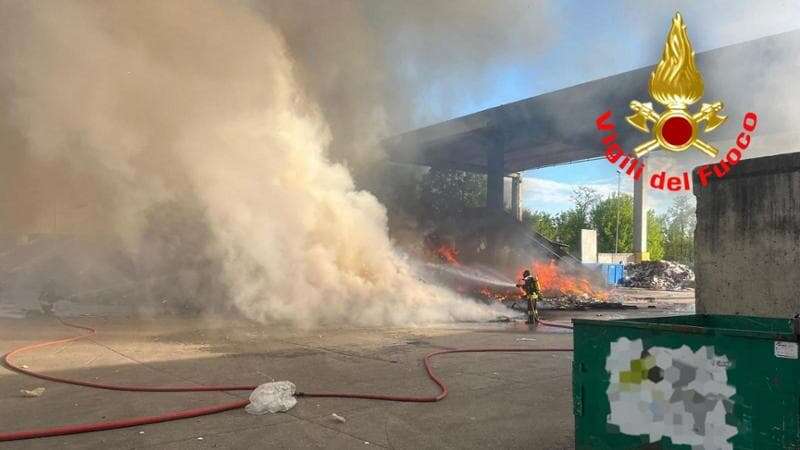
(571, 303)
(338, 418)
(568, 302)
(666, 275)
(33, 392)
(502, 319)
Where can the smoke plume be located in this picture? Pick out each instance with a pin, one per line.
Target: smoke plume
(193, 126)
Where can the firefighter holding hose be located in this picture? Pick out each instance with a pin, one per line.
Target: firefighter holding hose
(532, 293)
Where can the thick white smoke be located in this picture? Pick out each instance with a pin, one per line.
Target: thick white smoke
(141, 103)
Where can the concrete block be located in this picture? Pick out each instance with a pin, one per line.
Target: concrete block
(588, 246)
(747, 240)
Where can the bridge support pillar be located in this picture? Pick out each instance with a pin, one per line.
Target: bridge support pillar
(516, 197)
(640, 252)
(494, 180)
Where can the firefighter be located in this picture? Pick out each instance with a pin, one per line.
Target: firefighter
(531, 287)
(48, 297)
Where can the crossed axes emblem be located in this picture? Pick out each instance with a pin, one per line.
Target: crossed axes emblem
(676, 129)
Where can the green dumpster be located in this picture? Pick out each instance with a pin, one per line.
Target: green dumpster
(687, 382)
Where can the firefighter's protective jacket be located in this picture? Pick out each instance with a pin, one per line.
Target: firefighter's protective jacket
(531, 286)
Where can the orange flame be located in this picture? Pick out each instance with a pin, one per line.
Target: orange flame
(554, 282)
(448, 254)
(500, 294)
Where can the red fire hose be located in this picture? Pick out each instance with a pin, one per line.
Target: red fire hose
(8, 360)
(555, 325)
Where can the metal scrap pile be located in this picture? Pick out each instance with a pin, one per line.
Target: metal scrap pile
(664, 275)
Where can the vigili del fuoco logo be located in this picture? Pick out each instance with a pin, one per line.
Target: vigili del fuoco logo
(676, 84)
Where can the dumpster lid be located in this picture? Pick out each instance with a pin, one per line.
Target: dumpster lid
(749, 326)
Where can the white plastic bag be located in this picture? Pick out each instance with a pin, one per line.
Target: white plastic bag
(33, 392)
(272, 397)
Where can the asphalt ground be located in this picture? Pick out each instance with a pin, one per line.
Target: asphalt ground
(498, 400)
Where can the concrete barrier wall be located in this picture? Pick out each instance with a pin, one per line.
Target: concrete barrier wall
(747, 240)
(615, 258)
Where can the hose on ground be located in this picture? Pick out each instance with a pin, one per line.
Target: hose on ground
(8, 361)
(555, 325)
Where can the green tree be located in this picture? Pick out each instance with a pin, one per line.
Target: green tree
(679, 225)
(655, 236)
(604, 217)
(445, 192)
(584, 198)
(541, 222)
(569, 223)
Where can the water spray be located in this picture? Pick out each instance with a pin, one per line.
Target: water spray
(477, 275)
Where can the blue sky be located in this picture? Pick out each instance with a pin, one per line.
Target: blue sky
(590, 40)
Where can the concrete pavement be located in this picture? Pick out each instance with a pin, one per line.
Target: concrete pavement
(506, 400)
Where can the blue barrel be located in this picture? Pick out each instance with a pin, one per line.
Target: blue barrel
(613, 273)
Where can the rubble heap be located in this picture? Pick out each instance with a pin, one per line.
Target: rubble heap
(666, 275)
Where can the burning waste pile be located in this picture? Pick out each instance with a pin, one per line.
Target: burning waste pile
(562, 287)
(666, 275)
(478, 282)
(559, 283)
